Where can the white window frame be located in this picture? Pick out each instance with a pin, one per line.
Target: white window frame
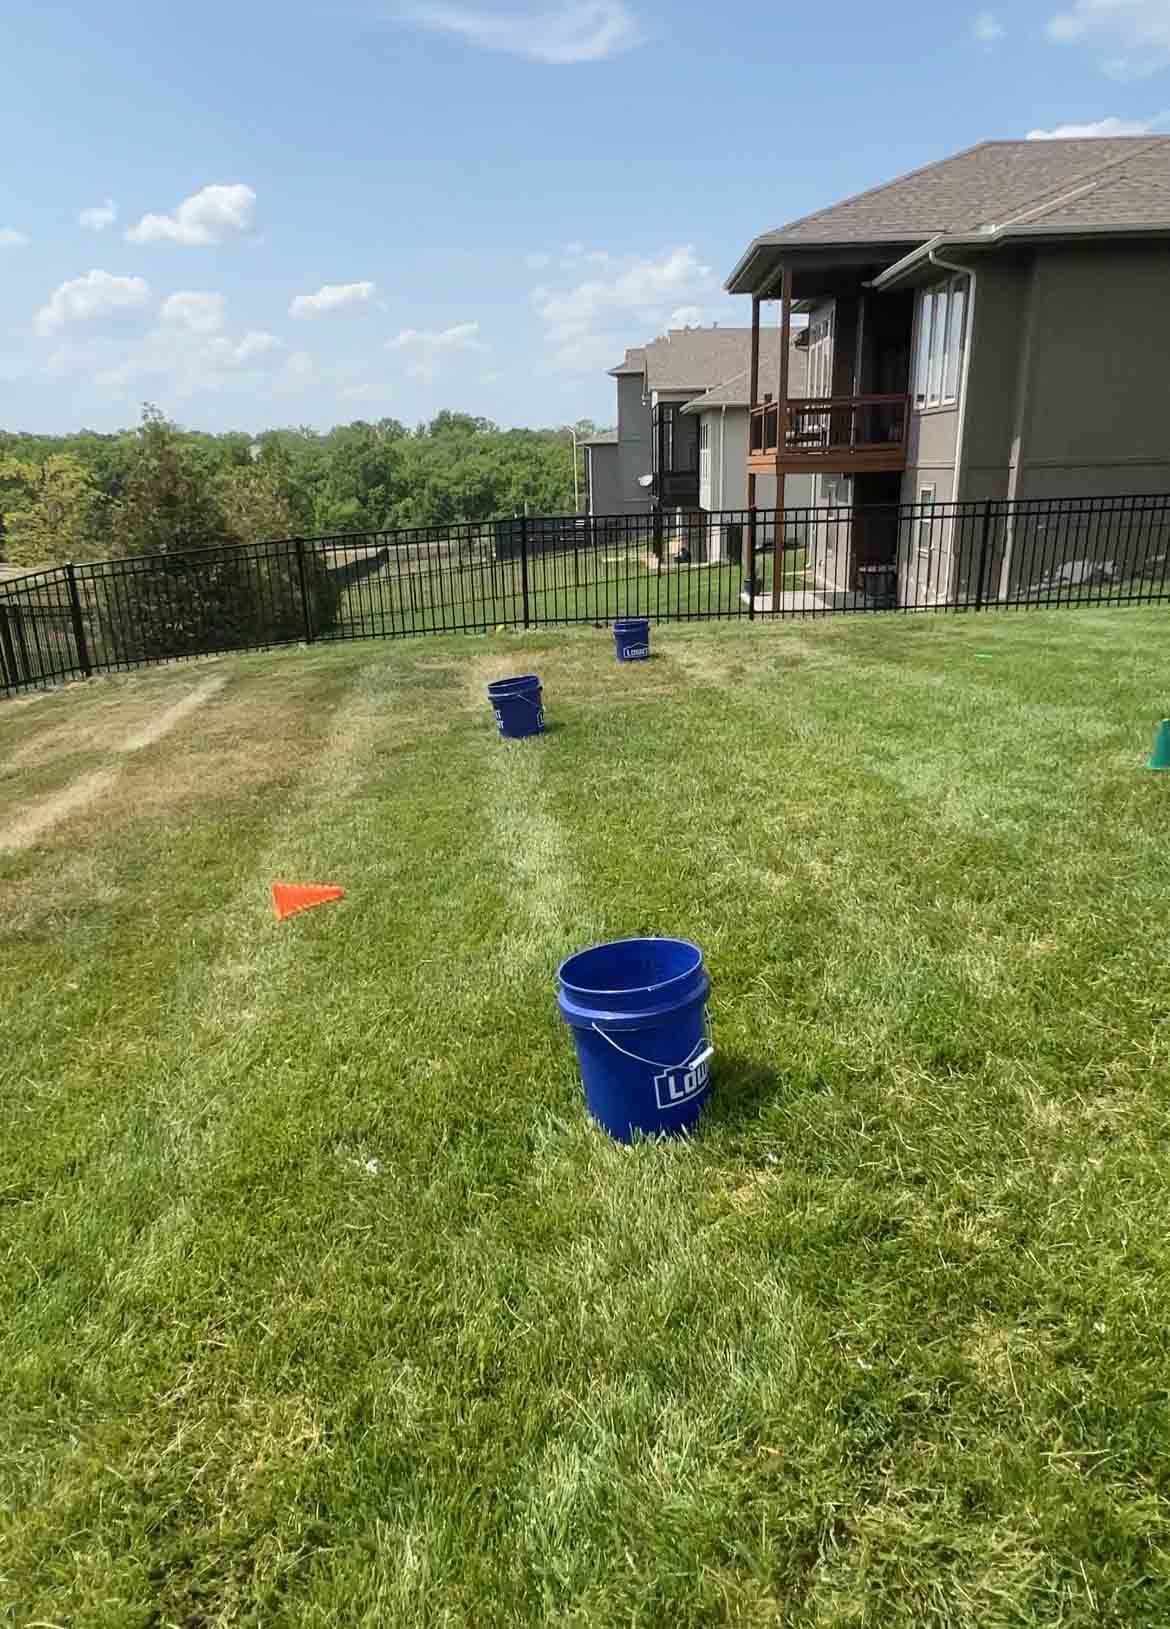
(927, 503)
(941, 343)
(820, 358)
(705, 452)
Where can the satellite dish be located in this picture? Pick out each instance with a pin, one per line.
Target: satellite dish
(646, 481)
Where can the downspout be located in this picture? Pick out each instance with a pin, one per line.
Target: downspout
(723, 457)
(723, 472)
(968, 347)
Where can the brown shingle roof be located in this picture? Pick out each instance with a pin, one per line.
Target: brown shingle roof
(1126, 180)
(635, 362)
(697, 359)
(735, 392)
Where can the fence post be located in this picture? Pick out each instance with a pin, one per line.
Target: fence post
(524, 561)
(11, 671)
(983, 546)
(306, 607)
(750, 548)
(79, 638)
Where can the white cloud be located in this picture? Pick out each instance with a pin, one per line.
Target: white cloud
(987, 28)
(185, 361)
(636, 299)
(1141, 28)
(99, 217)
(201, 313)
(1101, 127)
(206, 217)
(255, 345)
(462, 337)
(429, 348)
(91, 298)
(686, 316)
(331, 298)
(570, 32)
(10, 238)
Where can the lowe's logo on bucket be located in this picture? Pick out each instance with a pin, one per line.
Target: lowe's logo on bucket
(635, 653)
(680, 1085)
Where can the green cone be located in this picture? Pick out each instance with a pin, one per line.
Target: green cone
(1160, 757)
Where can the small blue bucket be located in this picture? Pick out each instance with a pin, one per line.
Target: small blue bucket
(632, 639)
(518, 705)
(637, 1009)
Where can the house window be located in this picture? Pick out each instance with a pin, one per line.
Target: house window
(705, 452)
(668, 439)
(820, 357)
(925, 519)
(942, 335)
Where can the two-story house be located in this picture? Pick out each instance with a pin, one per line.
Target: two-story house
(683, 423)
(996, 325)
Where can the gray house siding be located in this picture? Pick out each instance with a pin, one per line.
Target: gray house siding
(1095, 417)
(1068, 392)
(1067, 396)
(635, 451)
(605, 490)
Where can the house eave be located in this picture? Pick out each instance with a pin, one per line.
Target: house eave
(913, 266)
(772, 250)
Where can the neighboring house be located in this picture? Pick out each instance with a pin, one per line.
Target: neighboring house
(996, 325)
(663, 435)
(603, 487)
(722, 415)
(634, 434)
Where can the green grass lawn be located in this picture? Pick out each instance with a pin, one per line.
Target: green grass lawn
(324, 1304)
(431, 593)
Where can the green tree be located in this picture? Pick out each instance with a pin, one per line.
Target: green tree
(168, 505)
(255, 503)
(51, 512)
(205, 592)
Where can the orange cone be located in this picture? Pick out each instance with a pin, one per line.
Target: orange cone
(290, 898)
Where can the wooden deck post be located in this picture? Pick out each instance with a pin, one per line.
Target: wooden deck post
(781, 434)
(755, 379)
(749, 539)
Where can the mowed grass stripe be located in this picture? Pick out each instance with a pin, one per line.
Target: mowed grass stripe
(407, 1341)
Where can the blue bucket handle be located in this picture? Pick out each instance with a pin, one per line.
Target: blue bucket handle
(515, 695)
(689, 1062)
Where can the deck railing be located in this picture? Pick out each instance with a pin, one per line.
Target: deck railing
(816, 426)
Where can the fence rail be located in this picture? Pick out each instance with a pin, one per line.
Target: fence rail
(113, 615)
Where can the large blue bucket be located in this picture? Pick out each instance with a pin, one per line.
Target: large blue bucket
(637, 1008)
(518, 705)
(631, 637)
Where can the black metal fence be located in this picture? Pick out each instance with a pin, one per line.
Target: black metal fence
(113, 615)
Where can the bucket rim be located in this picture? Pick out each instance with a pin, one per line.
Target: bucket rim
(627, 990)
(522, 682)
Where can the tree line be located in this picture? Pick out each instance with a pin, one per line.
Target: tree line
(160, 489)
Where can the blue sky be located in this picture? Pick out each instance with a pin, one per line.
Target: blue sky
(274, 213)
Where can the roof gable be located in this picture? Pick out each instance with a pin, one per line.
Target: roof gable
(1094, 183)
(985, 186)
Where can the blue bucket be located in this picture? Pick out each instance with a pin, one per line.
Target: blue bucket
(632, 639)
(637, 1009)
(518, 705)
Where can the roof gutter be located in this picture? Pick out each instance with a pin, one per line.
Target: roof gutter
(1035, 233)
